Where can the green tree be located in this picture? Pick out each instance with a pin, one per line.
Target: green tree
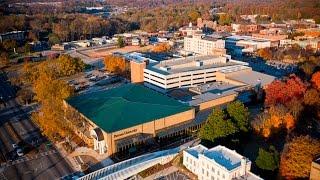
(54, 39)
(239, 115)
(120, 42)
(217, 126)
(27, 48)
(268, 159)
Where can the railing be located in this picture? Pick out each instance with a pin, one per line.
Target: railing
(130, 167)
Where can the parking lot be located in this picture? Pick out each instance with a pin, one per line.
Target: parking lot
(274, 68)
(94, 80)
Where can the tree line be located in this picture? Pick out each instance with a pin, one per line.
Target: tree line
(50, 91)
(287, 126)
(64, 27)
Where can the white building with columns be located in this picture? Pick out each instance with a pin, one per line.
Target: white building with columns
(218, 163)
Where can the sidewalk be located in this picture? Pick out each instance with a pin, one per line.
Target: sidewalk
(103, 159)
(74, 165)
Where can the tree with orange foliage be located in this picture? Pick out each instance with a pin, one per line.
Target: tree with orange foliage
(311, 97)
(297, 157)
(50, 93)
(161, 47)
(316, 80)
(265, 53)
(115, 64)
(284, 91)
(275, 118)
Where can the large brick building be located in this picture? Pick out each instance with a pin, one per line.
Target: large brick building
(118, 119)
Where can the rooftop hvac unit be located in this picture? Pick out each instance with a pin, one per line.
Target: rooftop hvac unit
(165, 68)
(199, 63)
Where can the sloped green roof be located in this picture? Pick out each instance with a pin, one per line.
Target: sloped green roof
(125, 106)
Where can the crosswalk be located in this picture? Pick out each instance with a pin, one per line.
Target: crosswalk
(27, 158)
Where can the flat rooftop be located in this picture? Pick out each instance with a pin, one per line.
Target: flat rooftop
(214, 90)
(191, 63)
(223, 156)
(126, 106)
(246, 38)
(214, 87)
(195, 151)
(252, 78)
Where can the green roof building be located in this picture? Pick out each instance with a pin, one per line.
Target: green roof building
(129, 110)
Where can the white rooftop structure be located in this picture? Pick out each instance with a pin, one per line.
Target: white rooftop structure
(236, 83)
(217, 163)
(249, 43)
(195, 71)
(188, 71)
(138, 57)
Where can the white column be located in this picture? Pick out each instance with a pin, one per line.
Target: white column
(95, 144)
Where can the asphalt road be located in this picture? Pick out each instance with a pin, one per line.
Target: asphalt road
(39, 161)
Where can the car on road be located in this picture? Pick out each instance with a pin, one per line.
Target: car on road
(19, 152)
(14, 146)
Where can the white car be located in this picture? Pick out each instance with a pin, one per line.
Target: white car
(14, 146)
(19, 152)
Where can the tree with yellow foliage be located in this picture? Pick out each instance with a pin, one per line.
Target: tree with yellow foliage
(161, 47)
(50, 92)
(68, 65)
(29, 72)
(64, 65)
(265, 53)
(116, 64)
(297, 156)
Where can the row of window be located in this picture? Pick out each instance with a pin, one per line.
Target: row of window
(154, 80)
(204, 172)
